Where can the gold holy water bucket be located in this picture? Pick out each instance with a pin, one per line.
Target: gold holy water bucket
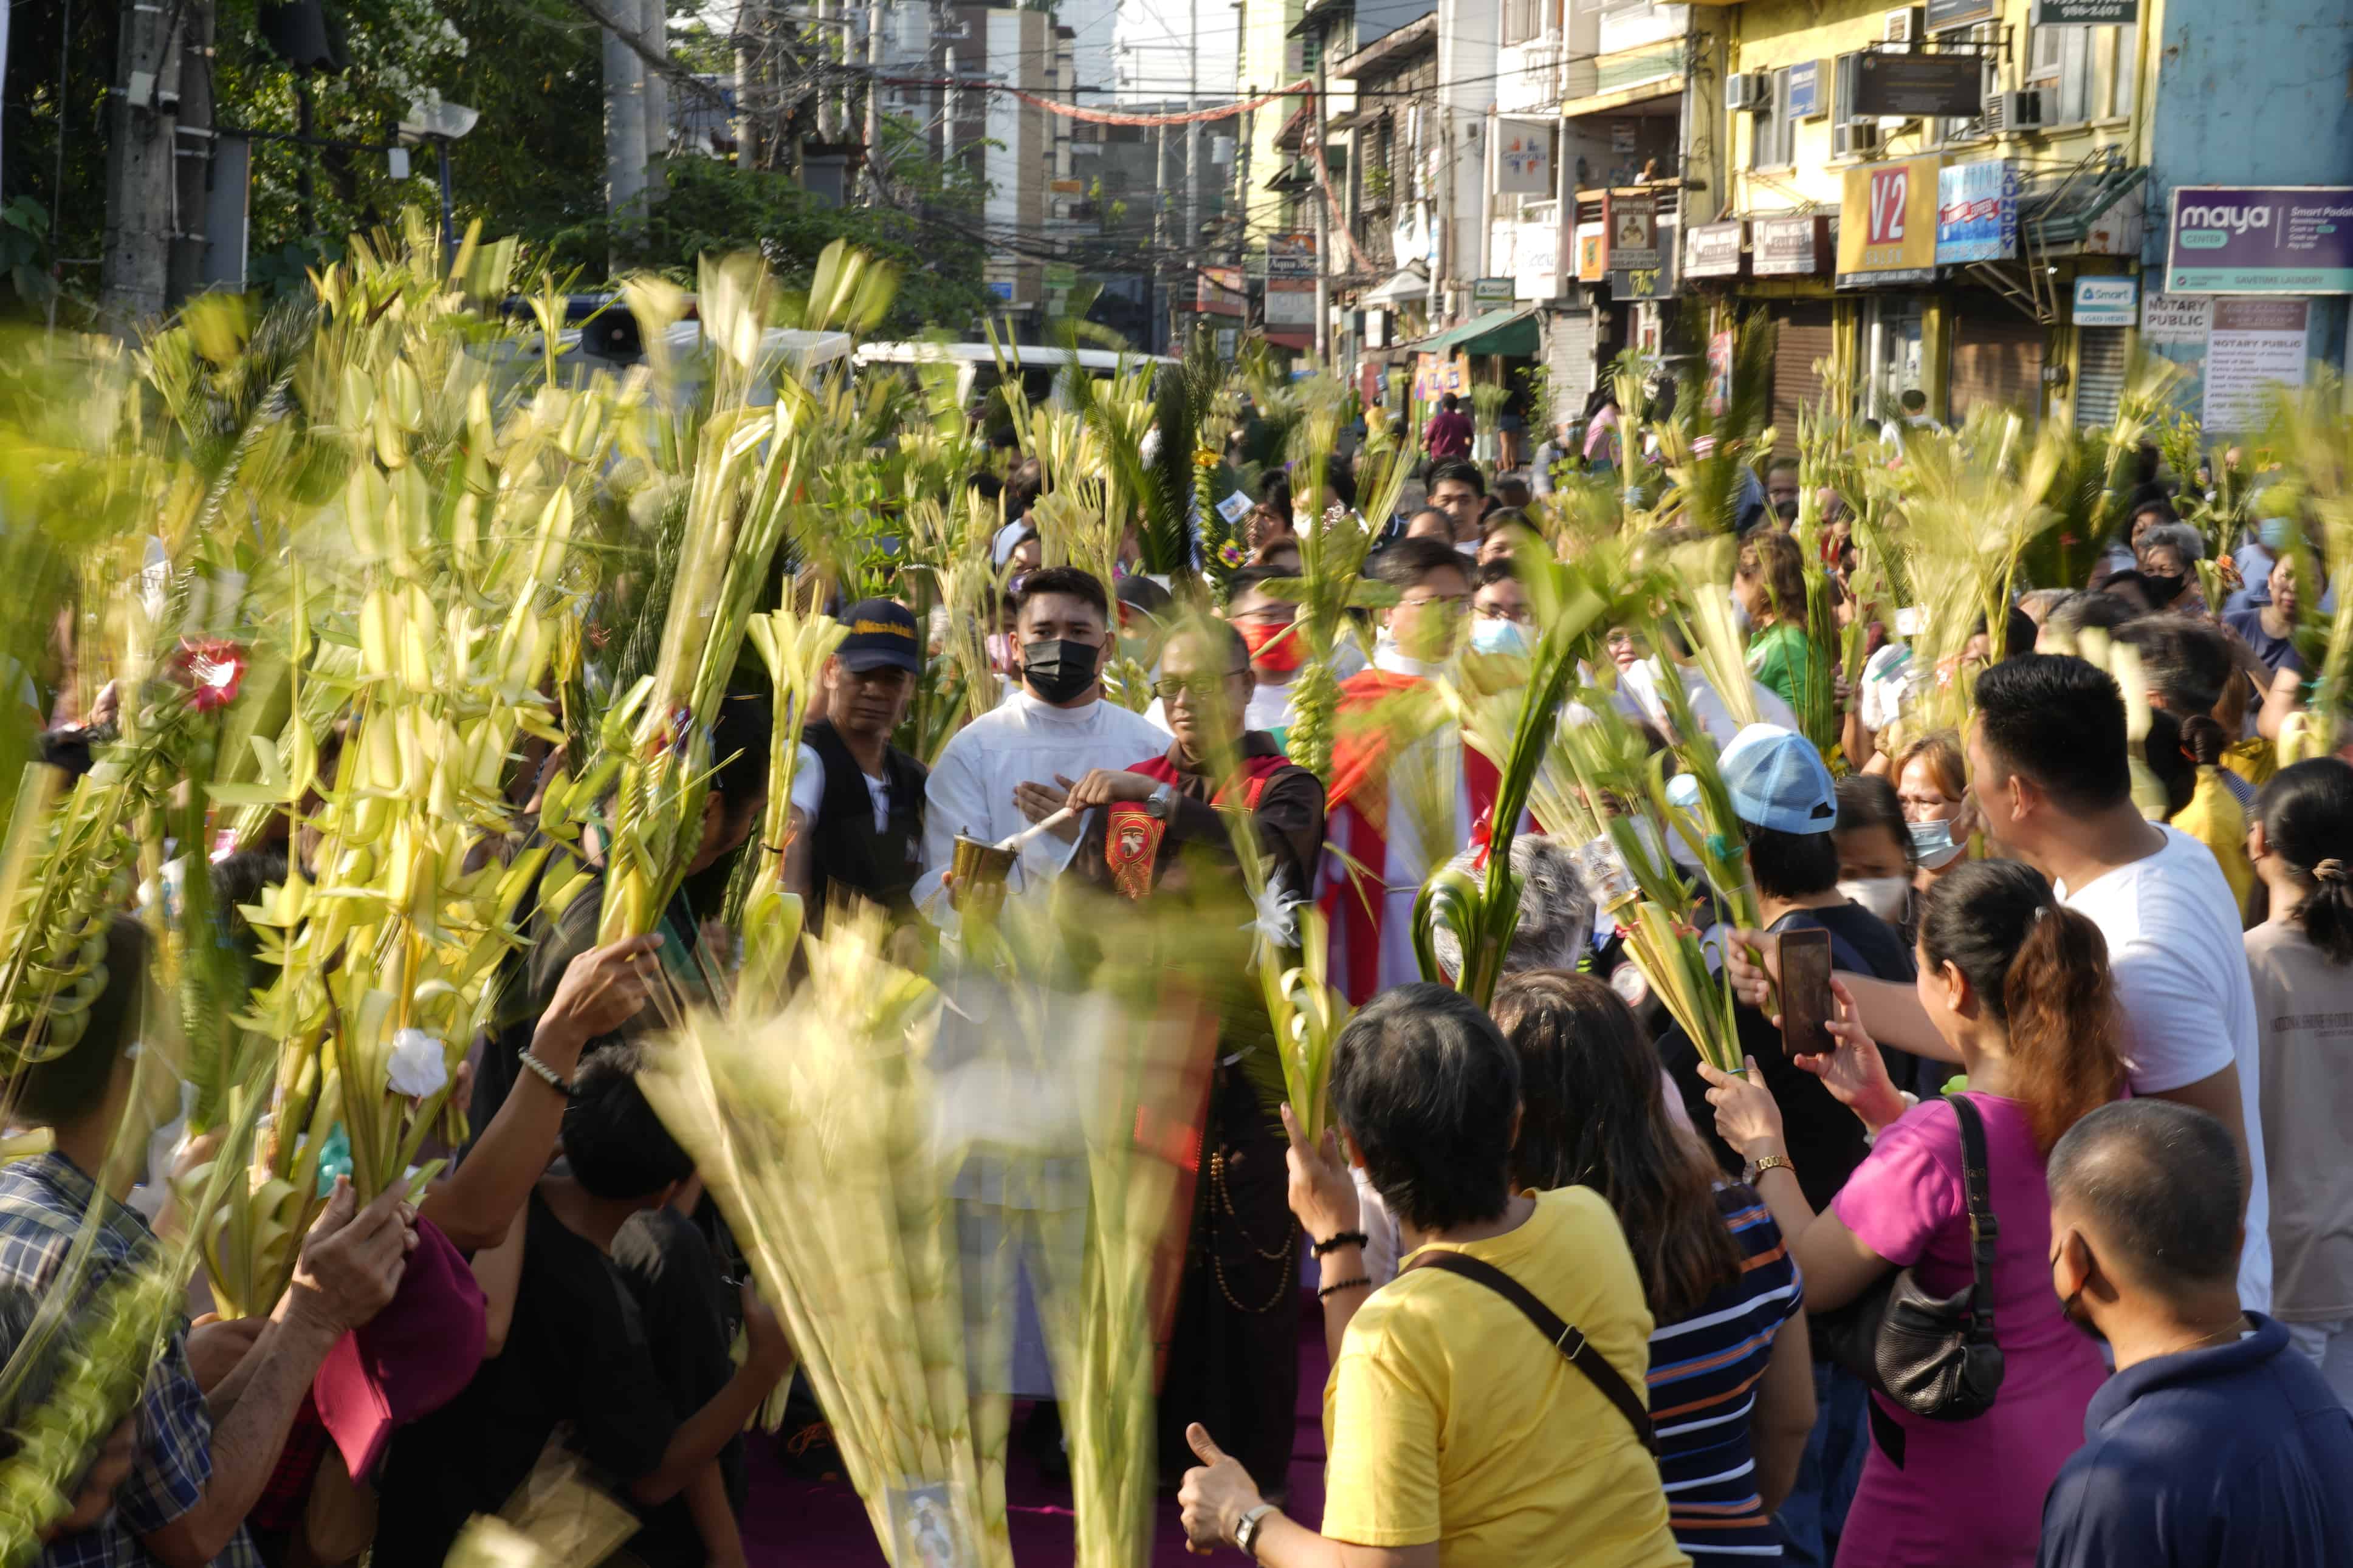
(980, 870)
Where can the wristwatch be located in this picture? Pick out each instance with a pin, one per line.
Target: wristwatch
(1161, 804)
(1245, 1530)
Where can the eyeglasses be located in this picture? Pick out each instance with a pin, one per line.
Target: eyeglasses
(1453, 604)
(1520, 614)
(1194, 688)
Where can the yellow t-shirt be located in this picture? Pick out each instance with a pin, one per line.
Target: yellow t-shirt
(1448, 1418)
(2214, 818)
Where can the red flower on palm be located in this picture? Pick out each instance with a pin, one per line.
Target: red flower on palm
(213, 670)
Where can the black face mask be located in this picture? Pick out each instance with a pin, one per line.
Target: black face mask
(1058, 671)
(2164, 587)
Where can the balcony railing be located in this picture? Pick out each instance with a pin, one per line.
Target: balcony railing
(1528, 75)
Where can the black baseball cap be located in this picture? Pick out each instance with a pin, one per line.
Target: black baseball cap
(882, 636)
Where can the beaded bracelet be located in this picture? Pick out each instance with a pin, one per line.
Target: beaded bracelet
(1345, 1239)
(1342, 1285)
(555, 1080)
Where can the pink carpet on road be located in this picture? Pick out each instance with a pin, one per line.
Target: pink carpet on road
(795, 1523)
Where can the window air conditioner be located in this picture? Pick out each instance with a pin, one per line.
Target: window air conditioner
(1853, 139)
(1904, 24)
(2014, 110)
(1749, 91)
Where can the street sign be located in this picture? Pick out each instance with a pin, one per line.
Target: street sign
(1493, 293)
(1712, 250)
(1789, 246)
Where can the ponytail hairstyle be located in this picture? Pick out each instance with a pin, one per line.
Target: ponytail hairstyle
(2041, 969)
(2307, 816)
(2203, 740)
(1592, 1113)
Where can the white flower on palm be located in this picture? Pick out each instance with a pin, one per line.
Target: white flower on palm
(417, 1067)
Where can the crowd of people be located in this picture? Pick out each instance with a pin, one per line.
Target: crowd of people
(2073, 1142)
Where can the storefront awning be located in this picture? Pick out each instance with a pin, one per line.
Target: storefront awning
(1508, 331)
(1405, 286)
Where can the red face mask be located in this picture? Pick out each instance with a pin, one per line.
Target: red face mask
(1282, 656)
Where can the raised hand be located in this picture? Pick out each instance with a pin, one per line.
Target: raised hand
(1747, 1117)
(1855, 1074)
(1323, 1194)
(602, 989)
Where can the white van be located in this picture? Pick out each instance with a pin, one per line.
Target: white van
(976, 365)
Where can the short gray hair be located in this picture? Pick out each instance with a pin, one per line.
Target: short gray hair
(2179, 537)
(1555, 919)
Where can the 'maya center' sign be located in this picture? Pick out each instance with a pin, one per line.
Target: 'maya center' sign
(2261, 239)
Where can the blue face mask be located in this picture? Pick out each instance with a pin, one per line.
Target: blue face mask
(1932, 844)
(1488, 636)
(2276, 532)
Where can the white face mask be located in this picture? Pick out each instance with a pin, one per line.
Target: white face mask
(1883, 896)
(1468, 550)
(1739, 613)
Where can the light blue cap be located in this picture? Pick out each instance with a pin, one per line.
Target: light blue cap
(1776, 780)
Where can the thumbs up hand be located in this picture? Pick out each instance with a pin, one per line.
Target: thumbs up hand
(1214, 1496)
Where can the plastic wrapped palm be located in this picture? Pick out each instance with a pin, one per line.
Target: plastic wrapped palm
(814, 1125)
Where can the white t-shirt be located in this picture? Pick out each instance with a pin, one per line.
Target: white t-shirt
(809, 790)
(1639, 682)
(2176, 951)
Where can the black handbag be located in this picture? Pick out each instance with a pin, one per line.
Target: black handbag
(1934, 1355)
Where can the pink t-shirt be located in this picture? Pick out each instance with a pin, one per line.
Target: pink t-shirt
(1969, 1491)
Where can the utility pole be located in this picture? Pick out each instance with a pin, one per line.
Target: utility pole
(1193, 132)
(874, 171)
(1323, 229)
(825, 121)
(624, 129)
(193, 155)
(748, 128)
(1160, 218)
(655, 36)
(143, 137)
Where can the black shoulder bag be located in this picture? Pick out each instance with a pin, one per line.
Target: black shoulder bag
(1567, 1339)
(1934, 1355)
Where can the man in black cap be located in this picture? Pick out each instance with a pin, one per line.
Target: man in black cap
(862, 797)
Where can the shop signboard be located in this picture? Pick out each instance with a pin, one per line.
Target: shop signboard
(1290, 256)
(1632, 220)
(2107, 302)
(1659, 281)
(2252, 346)
(1789, 246)
(1917, 87)
(1523, 158)
(1803, 95)
(2175, 321)
(1434, 377)
(1887, 223)
(1944, 14)
(1493, 293)
(1720, 348)
(1290, 303)
(2259, 239)
(1223, 291)
(1976, 212)
(1712, 250)
(1592, 252)
(2086, 13)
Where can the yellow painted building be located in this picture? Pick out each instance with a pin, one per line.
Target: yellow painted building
(1271, 57)
(2053, 140)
